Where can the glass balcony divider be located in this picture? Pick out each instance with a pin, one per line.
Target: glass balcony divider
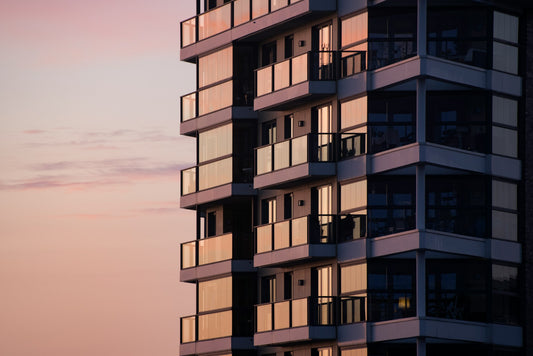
(225, 17)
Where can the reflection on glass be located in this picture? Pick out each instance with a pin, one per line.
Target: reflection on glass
(215, 67)
(264, 317)
(299, 312)
(353, 112)
(353, 278)
(264, 160)
(215, 143)
(504, 142)
(264, 238)
(215, 98)
(281, 155)
(264, 81)
(188, 107)
(259, 8)
(214, 325)
(299, 150)
(241, 12)
(504, 195)
(215, 174)
(215, 21)
(299, 231)
(354, 29)
(281, 235)
(215, 294)
(282, 75)
(188, 181)
(188, 254)
(282, 315)
(505, 58)
(188, 327)
(504, 225)
(278, 4)
(188, 32)
(354, 195)
(215, 249)
(299, 69)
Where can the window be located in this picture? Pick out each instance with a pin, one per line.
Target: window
(215, 143)
(457, 204)
(458, 119)
(268, 211)
(269, 132)
(353, 195)
(505, 294)
(353, 278)
(215, 294)
(354, 29)
(391, 121)
(505, 45)
(504, 210)
(268, 53)
(287, 281)
(354, 112)
(289, 126)
(268, 289)
(215, 67)
(211, 223)
(287, 205)
(504, 126)
(289, 46)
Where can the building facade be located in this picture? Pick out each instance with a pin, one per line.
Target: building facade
(364, 180)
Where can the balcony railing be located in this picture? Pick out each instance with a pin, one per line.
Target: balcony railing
(314, 65)
(232, 169)
(206, 251)
(303, 149)
(310, 311)
(206, 326)
(227, 16)
(310, 229)
(207, 100)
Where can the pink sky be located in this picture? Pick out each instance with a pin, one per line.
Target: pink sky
(90, 154)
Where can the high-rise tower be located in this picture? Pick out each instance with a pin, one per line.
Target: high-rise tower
(364, 178)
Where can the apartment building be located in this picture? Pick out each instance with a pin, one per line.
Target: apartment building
(364, 179)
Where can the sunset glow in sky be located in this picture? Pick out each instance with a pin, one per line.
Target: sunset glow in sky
(90, 155)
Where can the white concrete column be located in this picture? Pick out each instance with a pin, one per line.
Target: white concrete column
(420, 346)
(422, 28)
(420, 194)
(421, 110)
(420, 283)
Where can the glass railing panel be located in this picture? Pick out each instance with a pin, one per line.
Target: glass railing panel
(264, 317)
(282, 75)
(282, 155)
(299, 312)
(215, 249)
(299, 69)
(325, 311)
(278, 4)
(264, 159)
(264, 238)
(299, 231)
(188, 32)
(352, 226)
(299, 150)
(264, 81)
(326, 230)
(214, 21)
(188, 328)
(324, 147)
(259, 8)
(215, 174)
(282, 235)
(188, 181)
(215, 98)
(352, 145)
(188, 107)
(188, 254)
(352, 310)
(241, 12)
(214, 325)
(282, 315)
(351, 64)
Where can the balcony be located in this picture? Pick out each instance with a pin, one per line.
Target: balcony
(305, 319)
(216, 180)
(214, 256)
(248, 19)
(304, 77)
(214, 332)
(213, 105)
(304, 157)
(305, 238)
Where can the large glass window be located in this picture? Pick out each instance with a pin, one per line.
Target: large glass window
(353, 112)
(457, 289)
(505, 294)
(457, 204)
(353, 195)
(459, 35)
(215, 67)
(353, 278)
(215, 294)
(354, 29)
(505, 45)
(504, 126)
(391, 120)
(215, 143)
(392, 36)
(391, 205)
(391, 289)
(504, 210)
(458, 119)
